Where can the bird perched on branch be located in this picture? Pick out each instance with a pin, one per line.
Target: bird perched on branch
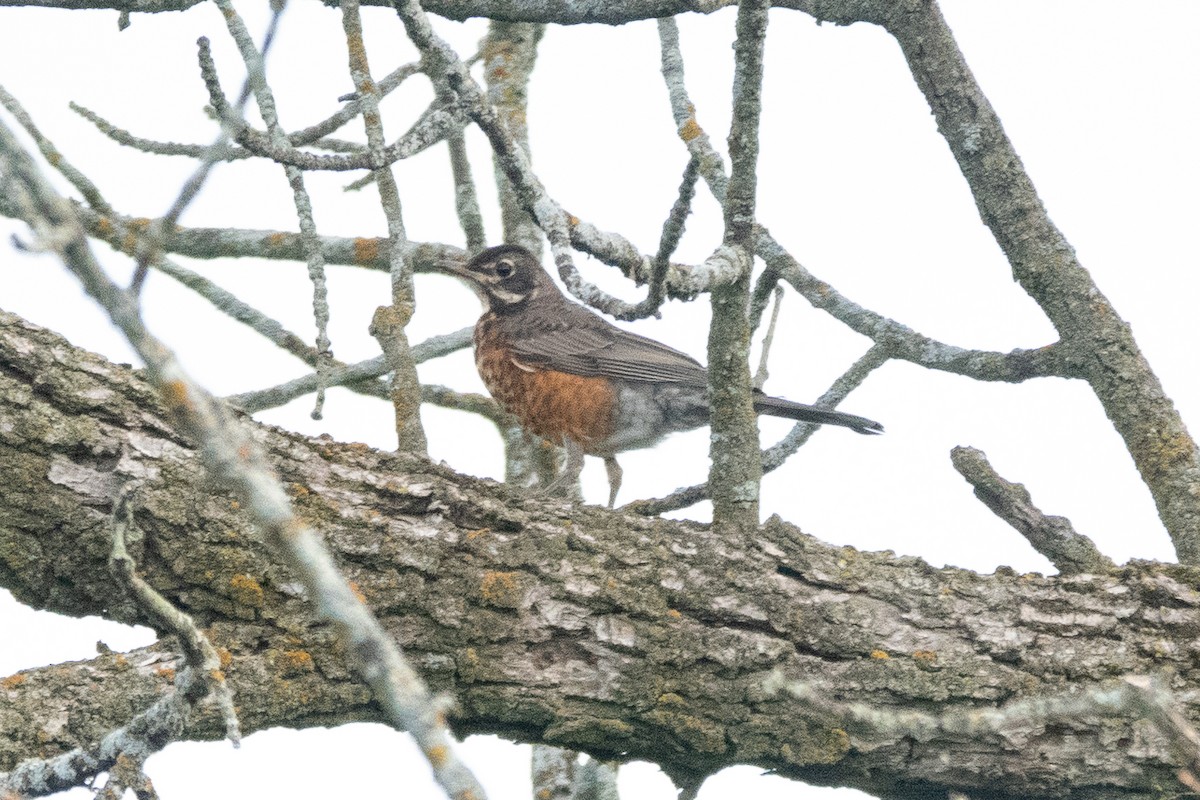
(578, 381)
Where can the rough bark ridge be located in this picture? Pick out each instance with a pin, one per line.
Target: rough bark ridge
(557, 623)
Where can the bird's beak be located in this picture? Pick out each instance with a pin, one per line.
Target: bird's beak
(453, 267)
(458, 269)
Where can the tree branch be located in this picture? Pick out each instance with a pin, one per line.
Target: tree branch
(569, 625)
(1099, 345)
(1054, 537)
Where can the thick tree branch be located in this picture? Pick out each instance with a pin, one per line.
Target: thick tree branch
(557, 623)
(1099, 345)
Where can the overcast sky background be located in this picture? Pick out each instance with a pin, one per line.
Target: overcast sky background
(1101, 104)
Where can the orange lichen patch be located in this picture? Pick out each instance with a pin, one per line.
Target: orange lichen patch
(516, 117)
(572, 220)
(12, 682)
(544, 794)
(297, 490)
(235, 505)
(1165, 452)
(500, 589)
(246, 591)
(366, 251)
(276, 240)
(104, 227)
(166, 673)
(437, 755)
(175, 396)
(925, 658)
(296, 661)
(362, 598)
(217, 675)
(121, 662)
(673, 613)
(879, 654)
(690, 130)
(472, 535)
(224, 657)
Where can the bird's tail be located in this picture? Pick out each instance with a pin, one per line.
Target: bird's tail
(778, 407)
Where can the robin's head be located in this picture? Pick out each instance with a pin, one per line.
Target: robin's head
(505, 277)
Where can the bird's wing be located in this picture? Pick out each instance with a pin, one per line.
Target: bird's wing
(577, 341)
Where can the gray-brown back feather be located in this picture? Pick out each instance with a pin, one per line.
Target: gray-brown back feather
(570, 338)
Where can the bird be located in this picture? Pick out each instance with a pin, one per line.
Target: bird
(580, 382)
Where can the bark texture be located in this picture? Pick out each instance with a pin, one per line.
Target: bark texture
(551, 622)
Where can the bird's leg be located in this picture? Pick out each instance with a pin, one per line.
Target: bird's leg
(614, 479)
(567, 482)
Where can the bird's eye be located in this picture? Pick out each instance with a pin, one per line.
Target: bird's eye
(504, 269)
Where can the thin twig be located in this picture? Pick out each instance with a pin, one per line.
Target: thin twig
(197, 649)
(265, 99)
(237, 463)
(672, 232)
(389, 322)
(761, 374)
(361, 374)
(901, 341)
(1054, 537)
(443, 64)
(775, 455)
(217, 151)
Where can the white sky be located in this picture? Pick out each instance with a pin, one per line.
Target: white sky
(1100, 102)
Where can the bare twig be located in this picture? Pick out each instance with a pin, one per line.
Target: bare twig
(761, 374)
(901, 341)
(197, 649)
(1054, 537)
(161, 228)
(389, 323)
(443, 65)
(265, 99)
(122, 752)
(774, 456)
(237, 462)
(362, 374)
(437, 123)
(672, 232)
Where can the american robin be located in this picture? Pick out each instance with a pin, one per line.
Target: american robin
(578, 381)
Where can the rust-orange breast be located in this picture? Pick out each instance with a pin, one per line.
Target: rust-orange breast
(553, 405)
